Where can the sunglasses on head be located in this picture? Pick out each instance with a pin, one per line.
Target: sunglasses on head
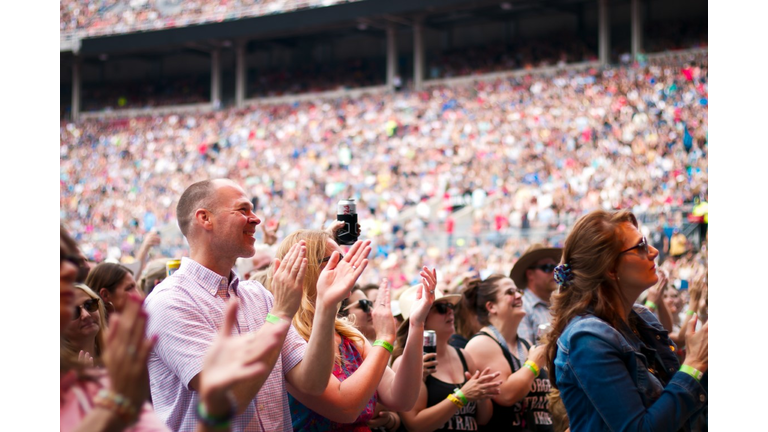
(442, 308)
(91, 306)
(365, 304)
(642, 246)
(546, 268)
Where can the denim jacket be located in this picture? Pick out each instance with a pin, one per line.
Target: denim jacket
(605, 384)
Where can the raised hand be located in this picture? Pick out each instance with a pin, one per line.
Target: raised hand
(288, 281)
(270, 235)
(481, 385)
(430, 365)
(234, 358)
(383, 321)
(425, 296)
(697, 345)
(339, 275)
(85, 358)
(334, 228)
(538, 355)
(655, 293)
(126, 353)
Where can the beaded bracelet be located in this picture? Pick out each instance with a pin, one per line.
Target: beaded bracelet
(533, 367)
(116, 403)
(455, 400)
(384, 344)
(692, 371)
(650, 305)
(460, 395)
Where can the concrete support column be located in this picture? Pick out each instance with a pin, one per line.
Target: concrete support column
(76, 79)
(604, 32)
(240, 74)
(637, 29)
(418, 55)
(391, 56)
(216, 78)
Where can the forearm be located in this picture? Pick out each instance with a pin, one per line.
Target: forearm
(431, 418)
(402, 392)
(665, 318)
(515, 387)
(101, 420)
(484, 411)
(310, 376)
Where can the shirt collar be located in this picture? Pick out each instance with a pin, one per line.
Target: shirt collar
(207, 278)
(533, 298)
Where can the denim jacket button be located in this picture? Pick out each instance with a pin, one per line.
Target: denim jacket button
(702, 398)
(658, 337)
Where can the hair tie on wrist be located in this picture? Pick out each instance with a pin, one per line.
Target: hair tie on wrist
(563, 275)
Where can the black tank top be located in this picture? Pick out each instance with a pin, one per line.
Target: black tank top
(463, 419)
(530, 414)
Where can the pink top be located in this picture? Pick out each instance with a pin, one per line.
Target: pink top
(77, 401)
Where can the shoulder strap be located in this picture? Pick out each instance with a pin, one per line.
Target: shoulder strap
(514, 366)
(461, 357)
(525, 342)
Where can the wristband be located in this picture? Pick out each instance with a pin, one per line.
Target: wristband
(533, 367)
(274, 319)
(455, 401)
(459, 394)
(650, 305)
(217, 422)
(384, 344)
(691, 371)
(689, 312)
(116, 403)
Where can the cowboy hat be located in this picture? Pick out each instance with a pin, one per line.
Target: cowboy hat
(408, 298)
(534, 253)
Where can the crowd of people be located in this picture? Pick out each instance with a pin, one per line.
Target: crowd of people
(104, 17)
(544, 150)
(590, 336)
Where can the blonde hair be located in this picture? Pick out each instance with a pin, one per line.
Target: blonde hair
(69, 350)
(316, 244)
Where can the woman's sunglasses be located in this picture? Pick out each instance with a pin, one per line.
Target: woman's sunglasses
(642, 247)
(365, 304)
(91, 306)
(546, 268)
(442, 308)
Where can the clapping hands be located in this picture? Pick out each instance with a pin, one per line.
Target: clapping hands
(340, 274)
(425, 296)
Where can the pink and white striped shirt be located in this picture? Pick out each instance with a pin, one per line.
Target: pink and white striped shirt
(186, 313)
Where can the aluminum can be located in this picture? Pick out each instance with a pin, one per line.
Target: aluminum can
(346, 211)
(171, 266)
(430, 341)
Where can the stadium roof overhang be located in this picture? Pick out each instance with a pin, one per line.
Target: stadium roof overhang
(346, 17)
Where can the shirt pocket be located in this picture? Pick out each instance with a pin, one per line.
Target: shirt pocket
(648, 385)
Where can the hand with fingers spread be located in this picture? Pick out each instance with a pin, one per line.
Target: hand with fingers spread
(383, 321)
(270, 234)
(288, 281)
(655, 293)
(697, 345)
(481, 385)
(235, 358)
(85, 358)
(127, 351)
(425, 296)
(340, 274)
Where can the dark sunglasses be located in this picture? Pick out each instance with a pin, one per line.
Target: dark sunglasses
(91, 306)
(546, 268)
(326, 259)
(642, 246)
(365, 304)
(442, 308)
(72, 259)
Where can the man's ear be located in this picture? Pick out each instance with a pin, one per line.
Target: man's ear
(203, 217)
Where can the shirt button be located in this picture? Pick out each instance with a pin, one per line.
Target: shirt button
(702, 398)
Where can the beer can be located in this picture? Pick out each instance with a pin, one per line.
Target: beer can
(346, 211)
(430, 341)
(171, 266)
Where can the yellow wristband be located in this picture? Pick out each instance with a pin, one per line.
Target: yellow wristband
(533, 367)
(384, 344)
(455, 400)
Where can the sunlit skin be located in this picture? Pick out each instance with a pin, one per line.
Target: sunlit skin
(635, 270)
(119, 296)
(362, 320)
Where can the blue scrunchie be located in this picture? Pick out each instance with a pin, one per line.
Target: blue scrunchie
(563, 274)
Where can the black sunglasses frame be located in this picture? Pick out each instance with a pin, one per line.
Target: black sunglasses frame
(92, 306)
(642, 245)
(546, 268)
(365, 304)
(442, 308)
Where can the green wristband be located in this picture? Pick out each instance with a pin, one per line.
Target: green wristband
(384, 344)
(274, 319)
(650, 305)
(459, 394)
(535, 372)
(689, 312)
(691, 371)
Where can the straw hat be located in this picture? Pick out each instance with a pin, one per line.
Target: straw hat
(533, 254)
(408, 298)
